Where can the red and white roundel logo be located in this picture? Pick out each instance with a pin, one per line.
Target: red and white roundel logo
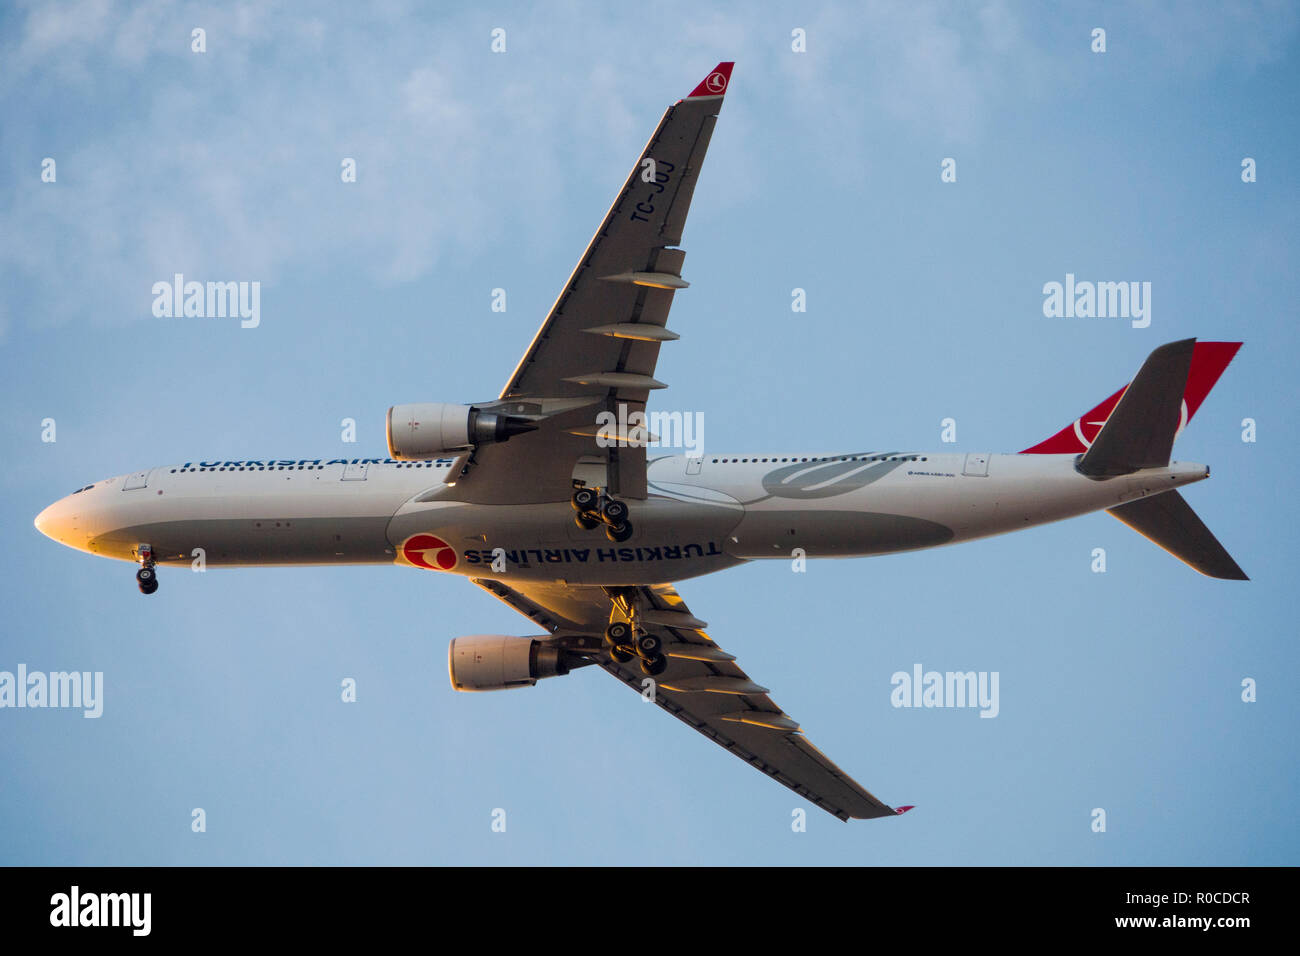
(1087, 431)
(716, 83)
(429, 551)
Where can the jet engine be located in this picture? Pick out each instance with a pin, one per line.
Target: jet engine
(496, 662)
(417, 432)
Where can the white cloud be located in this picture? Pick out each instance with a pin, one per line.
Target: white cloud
(226, 164)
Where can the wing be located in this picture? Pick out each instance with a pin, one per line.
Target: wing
(703, 687)
(599, 345)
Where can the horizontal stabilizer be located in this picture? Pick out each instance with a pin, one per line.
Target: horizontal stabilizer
(1140, 431)
(1169, 521)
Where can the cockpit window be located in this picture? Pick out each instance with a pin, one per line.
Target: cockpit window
(80, 490)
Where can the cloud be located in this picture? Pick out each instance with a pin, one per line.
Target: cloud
(1190, 39)
(226, 165)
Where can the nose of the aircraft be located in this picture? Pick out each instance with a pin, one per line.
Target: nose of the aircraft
(44, 521)
(57, 521)
(82, 519)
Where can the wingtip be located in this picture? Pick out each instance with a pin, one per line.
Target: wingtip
(716, 82)
(899, 811)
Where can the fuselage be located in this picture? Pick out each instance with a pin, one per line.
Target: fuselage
(702, 514)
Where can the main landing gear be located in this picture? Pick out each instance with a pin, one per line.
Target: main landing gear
(595, 509)
(147, 576)
(625, 640)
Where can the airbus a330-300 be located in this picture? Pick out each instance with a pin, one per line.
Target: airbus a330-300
(583, 531)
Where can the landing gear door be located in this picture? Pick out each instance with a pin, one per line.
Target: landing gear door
(355, 472)
(977, 465)
(591, 471)
(139, 479)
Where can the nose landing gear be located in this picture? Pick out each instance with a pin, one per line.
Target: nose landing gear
(147, 576)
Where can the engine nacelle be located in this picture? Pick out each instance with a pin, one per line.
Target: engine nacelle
(431, 430)
(497, 662)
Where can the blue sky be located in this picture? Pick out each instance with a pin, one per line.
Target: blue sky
(478, 171)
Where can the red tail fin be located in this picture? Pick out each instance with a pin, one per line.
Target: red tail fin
(1209, 359)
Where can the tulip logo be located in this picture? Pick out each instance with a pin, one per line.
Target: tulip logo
(429, 551)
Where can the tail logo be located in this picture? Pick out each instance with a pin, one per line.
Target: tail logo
(1093, 428)
(1087, 431)
(716, 83)
(429, 551)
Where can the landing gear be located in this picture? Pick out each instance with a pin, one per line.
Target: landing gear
(626, 641)
(619, 533)
(618, 634)
(654, 666)
(618, 638)
(649, 646)
(614, 515)
(147, 576)
(586, 502)
(147, 579)
(594, 509)
(613, 512)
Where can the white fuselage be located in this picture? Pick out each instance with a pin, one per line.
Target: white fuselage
(701, 515)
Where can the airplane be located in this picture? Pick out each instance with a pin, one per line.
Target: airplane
(585, 532)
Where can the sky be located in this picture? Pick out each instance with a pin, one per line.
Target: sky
(476, 170)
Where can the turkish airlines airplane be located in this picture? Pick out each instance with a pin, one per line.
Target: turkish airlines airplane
(582, 531)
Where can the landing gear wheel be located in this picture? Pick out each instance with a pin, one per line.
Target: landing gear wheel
(618, 633)
(585, 499)
(619, 533)
(649, 646)
(146, 577)
(585, 521)
(614, 512)
(621, 654)
(654, 666)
